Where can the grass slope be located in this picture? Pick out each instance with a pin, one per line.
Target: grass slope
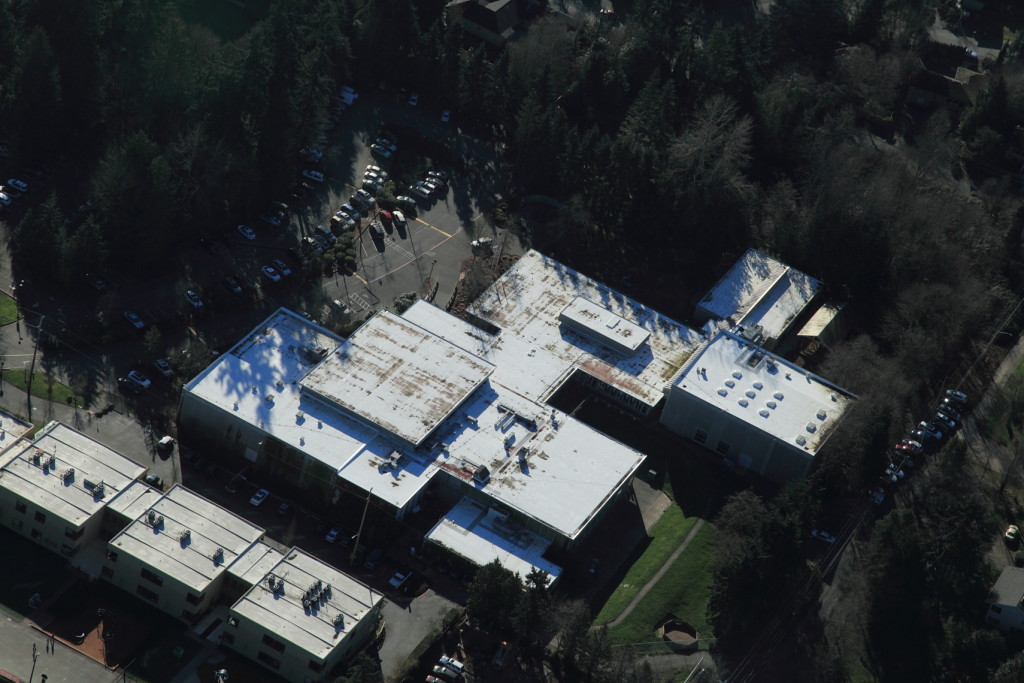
(683, 591)
(667, 534)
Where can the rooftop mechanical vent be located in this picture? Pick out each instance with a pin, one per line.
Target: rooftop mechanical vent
(737, 374)
(771, 404)
(821, 414)
(778, 395)
(758, 386)
(811, 427)
(801, 440)
(729, 383)
(744, 402)
(722, 391)
(763, 412)
(751, 393)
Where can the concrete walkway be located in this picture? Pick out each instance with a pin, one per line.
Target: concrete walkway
(654, 579)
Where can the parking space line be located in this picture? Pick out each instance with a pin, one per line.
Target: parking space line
(420, 220)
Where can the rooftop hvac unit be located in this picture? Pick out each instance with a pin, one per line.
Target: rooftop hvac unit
(37, 456)
(279, 384)
(269, 398)
(801, 440)
(99, 490)
(69, 474)
(52, 462)
(271, 581)
(758, 386)
(326, 592)
(743, 402)
(339, 621)
(811, 427)
(151, 517)
(729, 383)
(305, 603)
(821, 414)
(300, 416)
(160, 520)
(185, 536)
(218, 555)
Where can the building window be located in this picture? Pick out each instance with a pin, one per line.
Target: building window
(723, 447)
(107, 573)
(701, 436)
(20, 507)
(227, 638)
(192, 599)
(40, 517)
(315, 665)
(996, 608)
(36, 534)
(268, 660)
(151, 577)
(273, 643)
(146, 593)
(112, 555)
(74, 534)
(67, 550)
(17, 524)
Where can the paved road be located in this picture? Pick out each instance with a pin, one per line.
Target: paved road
(63, 666)
(407, 626)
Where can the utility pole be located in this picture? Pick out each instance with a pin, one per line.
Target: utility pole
(32, 366)
(359, 534)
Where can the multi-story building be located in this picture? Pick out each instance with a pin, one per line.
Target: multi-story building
(55, 488)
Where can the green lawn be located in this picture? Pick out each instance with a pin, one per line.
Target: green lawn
(666, 536)
(8, 309)
(41, 386)
(683, 591)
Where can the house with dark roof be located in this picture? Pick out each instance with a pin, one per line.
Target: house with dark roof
(493, 21)
(1004, 600)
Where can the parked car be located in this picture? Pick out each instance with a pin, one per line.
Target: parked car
(231, 284)
(274, 219)
(439, 176)
(399, 579)
(18, 185)
(236, 481)
(452, 663)
(193, 298)
(125, 384)
(165, 444)
(284, 508)
(374, 169)
(352, 211)
(163, 367)
(952, 408)
(364, 197)
(823, 536)
(374, 558)
(406, 203)
(956, 395)
(259, 497)
(437, 188)
(270, 273)
(246, 232)
(311, 153)
(342, 221)
(414, 99)
(399, 218)
(946, 419)
(135, 320)
(877, 495)
(154, 481)
(380, 150)
(332, 536)
(384, 142)
(501, 655)
(341, 307)
(281, 267)
(446, 116)
(420, 191)
(1012, 534)
(445, 672)
(140, 379)
(5, 200)
(313, 175)
(929, 428)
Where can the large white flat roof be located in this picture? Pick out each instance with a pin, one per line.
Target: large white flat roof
(542, 462)
(760, 290)
(312, 629)
(192, 561)
(527, 300)
(253, 564)
(481, 535)
(40, 472)
(765, 391)
(134, 500)
(397, 376)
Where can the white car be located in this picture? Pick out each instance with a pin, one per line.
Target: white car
(270, 273)
(414, 100)
(452, 663)
(246, 232)
(446, 116)
(823, 536)
(313, 175)
(135, 320)
(140, 379)
(5, 200)
(436, 186)
(259, 497)
(399, 218)
(17, 185)
(381, 151)
(373, 176)
(193, 299)
(374, 169)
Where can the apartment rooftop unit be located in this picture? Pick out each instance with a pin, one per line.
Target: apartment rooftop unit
(308, 603)
(759, 293)
(67, 473)
(187, 537)
(397, 377)
(580, 324)
(766, 392)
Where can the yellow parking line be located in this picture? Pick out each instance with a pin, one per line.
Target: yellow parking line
(434, 227)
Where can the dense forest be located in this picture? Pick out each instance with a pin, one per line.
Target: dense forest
(674, 135)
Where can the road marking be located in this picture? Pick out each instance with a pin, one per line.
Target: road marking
(363, 304)
(361, 278)
(420, 220)
(398, 247)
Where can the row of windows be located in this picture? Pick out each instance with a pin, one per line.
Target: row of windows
(151, 577)
(146, 593)
(700, 436)
(273, 643)
(273, 662)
